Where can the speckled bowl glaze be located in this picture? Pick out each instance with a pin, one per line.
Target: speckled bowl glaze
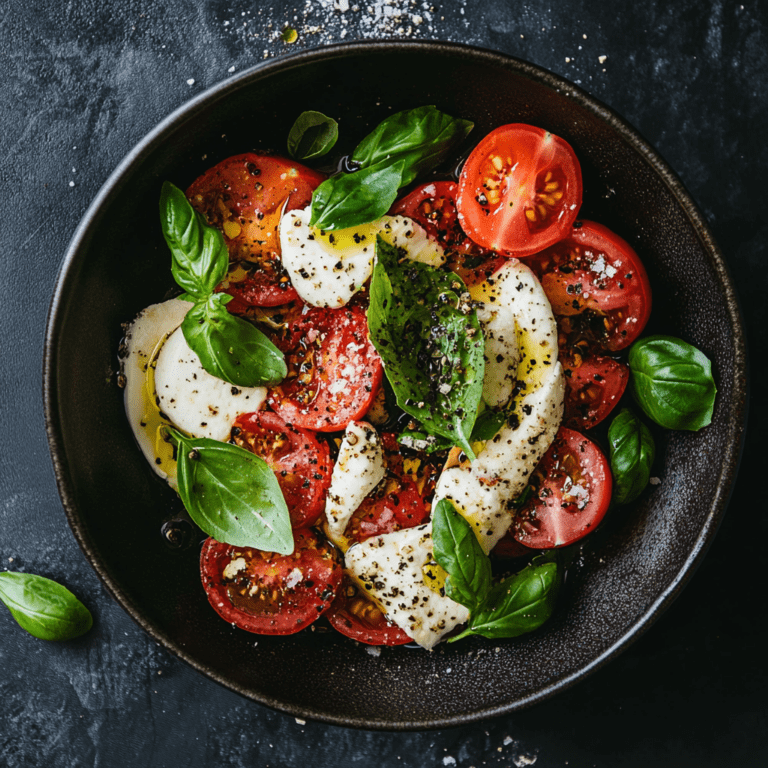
(630, 569)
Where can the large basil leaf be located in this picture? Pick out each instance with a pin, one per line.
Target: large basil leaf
(632, 454)
(672, 382)
(199, 253)
(430, 341)
(43, 607)
(232, 494)
(459, 554)
(312, 135)
(351, 199)
(420, 138)
(229, 347)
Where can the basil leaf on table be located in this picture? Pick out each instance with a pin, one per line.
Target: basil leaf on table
(672, 382)
(312, 135)
(44, 608)
(232, 494)
(229, 347)
(420, 138)
(458, 552)
(199, 254)
(632, 454)
(430, 341)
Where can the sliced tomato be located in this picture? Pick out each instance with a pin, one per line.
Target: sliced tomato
(267, 593)
(572, 490)
(509, 547)
(301, 463)
(593, 387)
(355, 615)
(597, 285)
(245, 196)
(334, 371)
(520, 190)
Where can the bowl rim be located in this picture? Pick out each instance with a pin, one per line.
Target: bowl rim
(737, 407)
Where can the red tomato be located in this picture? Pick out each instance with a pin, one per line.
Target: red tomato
(245, 196)
(596, 283)
(301, 463)
(593, 387)
(267, 593)
(355, 615)
(509, 547)
(334, 371)
(572, 490)
(520, 190)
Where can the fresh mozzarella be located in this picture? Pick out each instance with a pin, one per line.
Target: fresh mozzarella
(358, 470)
(390, 570)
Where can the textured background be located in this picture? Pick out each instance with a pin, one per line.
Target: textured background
(82, 82)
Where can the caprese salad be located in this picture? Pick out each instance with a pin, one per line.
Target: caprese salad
(377, 383)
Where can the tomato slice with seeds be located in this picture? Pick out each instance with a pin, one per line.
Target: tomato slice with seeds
(520, 190)
(334, 371)
(572, 490)
(267, 593)
(245, 196)
(593, 388)
(301, 463)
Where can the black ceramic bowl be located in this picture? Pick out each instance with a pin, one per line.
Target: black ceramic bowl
(631, 569)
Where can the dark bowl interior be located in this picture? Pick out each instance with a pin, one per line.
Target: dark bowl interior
(118, 263)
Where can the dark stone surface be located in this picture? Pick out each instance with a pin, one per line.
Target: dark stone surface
(82, 83)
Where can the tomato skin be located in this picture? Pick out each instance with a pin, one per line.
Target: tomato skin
(300, 462)
(245, 196)
(520, 190)
(593, 388)
(553, 516)
(509, 547)
(295, 607)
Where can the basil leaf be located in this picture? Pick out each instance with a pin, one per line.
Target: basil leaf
(232, 494)
(520, 604)
(430, 341)
(459, 554)
(43, 607)
(488, 423)
(420, 138)
(632, 454)
(351, 199)
(672, 382)
(229, 347)
(199, 254)
(312, 135)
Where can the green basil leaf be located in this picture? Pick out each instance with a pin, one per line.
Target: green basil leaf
(459, 554)
(199, 254)
(229, 347)
(312, 135)
(232, 494)
(632, 454)
(488, 423)
(418, 440)
(420, 138)
(430, 341)
(351, 199)
(43, 607)
(672, 382)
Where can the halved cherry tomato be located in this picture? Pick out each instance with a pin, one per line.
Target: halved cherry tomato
(520, 190)
(593, 387)
(334, 371)
(597, 285)
(245, 196)
(267, 593)
(301, 463)
(355, 615)
(572, 490)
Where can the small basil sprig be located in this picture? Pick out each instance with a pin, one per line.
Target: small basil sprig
(672, 382)
(407, 143)
(517, 605)
(229, 347)
(312, 135)
(232, 494)
(43, 607)
(632, 454)
(430, 341)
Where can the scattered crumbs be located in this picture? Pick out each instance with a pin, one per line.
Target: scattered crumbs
(10, 560)
(655, 481)
(523, 760)
(374, 650)
(159, 671)
(191, 81)
(584, 36)
(71, 183)
(602, 59)
(507, 740)
(231, 69)
(300, 721)
(567, 59)
(448, 760)
(450, 669)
